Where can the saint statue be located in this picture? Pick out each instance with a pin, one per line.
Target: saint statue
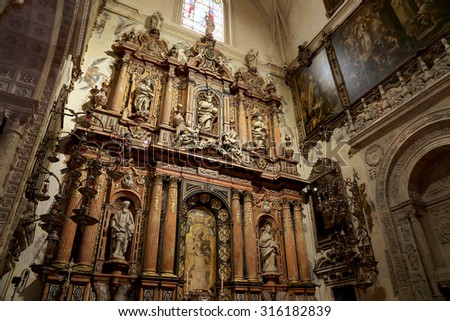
(143, 97)
(251, 59)
(288, 150)
(259, 132)
(100, 98)
(155, 21)
(185, 135)
(269, 249)
(231, 145)
(207, 112)
(122, 229)
(210, 26)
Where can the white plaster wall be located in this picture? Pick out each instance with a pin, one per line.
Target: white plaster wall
(308, 18)
(248, 28)
(339, 150)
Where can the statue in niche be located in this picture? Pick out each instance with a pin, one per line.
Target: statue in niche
(185, 135)
(210, 26)
(122, 229)
(268, 248)
(206, 112)
(143, 97)
(155, 21)
(251, 59)
(231, 146)
(259, 133)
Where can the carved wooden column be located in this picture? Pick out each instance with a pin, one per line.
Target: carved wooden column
(87, 242)
(300, 242)
(226, 112)
(166, 108)
(425, 252)
(289, 242)
(238, 259)
(121, 84)
(249, 125)
(152, 228)
(68, 231)
(135, 244)
(276, 133)
(170, 227)
(251, 252)
(243, 135)
(190, 102)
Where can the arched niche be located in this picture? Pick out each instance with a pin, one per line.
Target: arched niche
(204, 256)
(203, 96)
(128, 262)
(269, 247)
(411, 192)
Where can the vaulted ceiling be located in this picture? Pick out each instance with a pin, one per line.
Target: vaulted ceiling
(36, 36)
(277, 12)
(37, 39)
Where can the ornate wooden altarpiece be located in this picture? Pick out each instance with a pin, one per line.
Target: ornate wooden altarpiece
(196, 153)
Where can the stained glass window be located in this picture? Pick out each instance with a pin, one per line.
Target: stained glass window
(194, 13)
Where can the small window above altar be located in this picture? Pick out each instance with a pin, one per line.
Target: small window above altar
(196, 13)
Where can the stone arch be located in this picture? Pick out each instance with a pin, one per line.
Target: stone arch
(397, 206)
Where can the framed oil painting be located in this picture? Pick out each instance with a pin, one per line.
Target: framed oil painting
(382, 35)
(322, 190)
(331, 6)
(329, 206)
(317, 94)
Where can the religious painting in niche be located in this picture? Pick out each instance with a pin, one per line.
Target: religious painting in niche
(325, 205)
(194, 13)
(200, 259)
(381, 36)
(318, 99)
(331, 6)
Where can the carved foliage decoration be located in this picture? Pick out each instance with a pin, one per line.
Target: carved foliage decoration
(205, 56)
(152, 45)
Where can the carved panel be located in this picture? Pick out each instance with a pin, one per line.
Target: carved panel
(405, 290)
(149, 294)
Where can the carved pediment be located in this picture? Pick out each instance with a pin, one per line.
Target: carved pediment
(151, 45)
(204, 55)
(143, 44)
